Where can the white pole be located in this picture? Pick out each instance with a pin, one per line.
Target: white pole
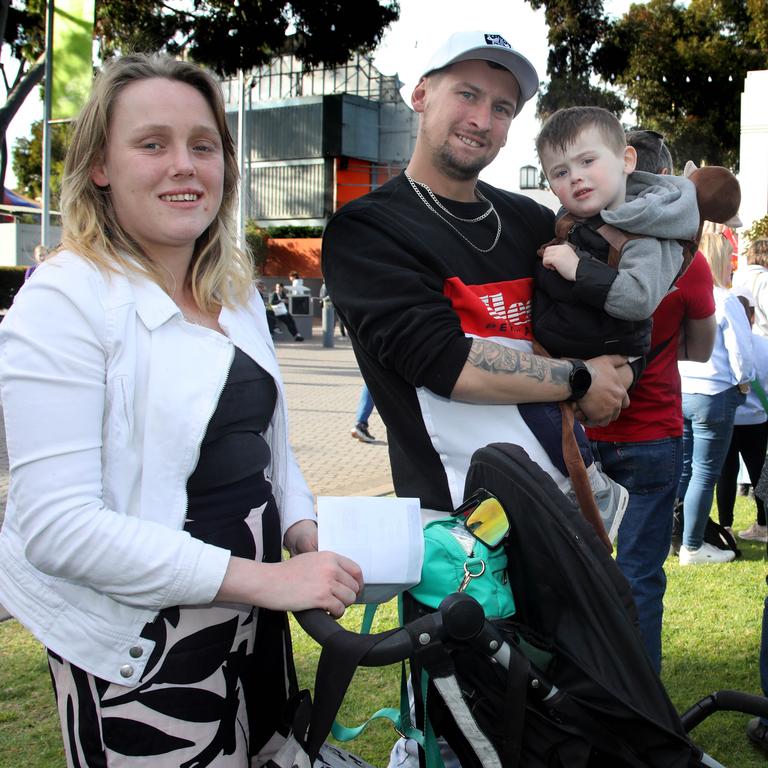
(45, 224)
(241, 159)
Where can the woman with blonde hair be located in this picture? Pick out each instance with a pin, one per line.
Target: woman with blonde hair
(152, 484)
(711, 393)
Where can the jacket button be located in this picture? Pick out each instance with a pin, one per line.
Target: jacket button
(126, 670)
(136, 652)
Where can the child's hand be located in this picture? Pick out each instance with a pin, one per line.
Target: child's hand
(563, 259)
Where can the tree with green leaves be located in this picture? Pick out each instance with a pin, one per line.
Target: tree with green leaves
(222, 35)
(27, 153)
(682, 68)
(576, 27)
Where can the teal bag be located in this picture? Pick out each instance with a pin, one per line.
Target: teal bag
(446, 565)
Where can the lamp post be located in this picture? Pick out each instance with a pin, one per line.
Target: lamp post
(244, 164)
(241, 158)
(529, 177)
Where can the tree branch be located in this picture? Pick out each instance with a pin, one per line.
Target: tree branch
(20, 92)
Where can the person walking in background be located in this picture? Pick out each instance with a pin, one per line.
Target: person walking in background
(152, 484)
(279, 303)
(750, 436)
(364, 410)
(755, 277)
(712, 391)
(642, 450)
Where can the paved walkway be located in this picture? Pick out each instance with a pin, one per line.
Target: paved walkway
(323, 387)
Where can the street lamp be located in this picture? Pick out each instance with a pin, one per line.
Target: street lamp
(242, 148)
(529, 177)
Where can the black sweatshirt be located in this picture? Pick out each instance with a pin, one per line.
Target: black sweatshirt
(412, 293)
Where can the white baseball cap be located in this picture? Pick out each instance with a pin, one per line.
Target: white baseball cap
(466, 46)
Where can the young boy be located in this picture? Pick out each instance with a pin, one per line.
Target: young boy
(585, 304)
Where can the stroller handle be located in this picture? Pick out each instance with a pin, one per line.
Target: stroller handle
(724, 701)
(459, 617)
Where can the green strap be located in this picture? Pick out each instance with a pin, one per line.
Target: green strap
(401, 719)
(368, 614)
(430, 746)
(757, 388)
(343, 733)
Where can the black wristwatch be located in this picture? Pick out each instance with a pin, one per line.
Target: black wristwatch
(579, 380)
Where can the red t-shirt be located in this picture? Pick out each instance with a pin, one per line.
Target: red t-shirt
(655, 409)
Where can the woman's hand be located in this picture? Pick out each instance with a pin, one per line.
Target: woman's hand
(316, 580)
(322, 580)
(301, 537)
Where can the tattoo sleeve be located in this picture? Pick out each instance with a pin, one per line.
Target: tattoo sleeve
(495, 358)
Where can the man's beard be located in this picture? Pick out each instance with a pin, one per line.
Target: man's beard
(447, 162)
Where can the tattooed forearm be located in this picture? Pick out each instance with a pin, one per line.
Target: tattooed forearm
(495, 358)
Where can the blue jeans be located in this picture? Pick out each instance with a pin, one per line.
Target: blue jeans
(545, 420)
(364, 407)
(707, 430)
(650, 471)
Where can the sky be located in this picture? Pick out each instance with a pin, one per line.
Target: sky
(424, 24)
(421, 28)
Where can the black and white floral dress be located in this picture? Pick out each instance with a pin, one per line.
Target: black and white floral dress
(214, 690)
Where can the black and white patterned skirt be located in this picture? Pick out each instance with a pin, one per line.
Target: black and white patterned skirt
(213, 692)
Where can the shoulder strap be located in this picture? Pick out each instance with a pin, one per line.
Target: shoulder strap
(616, 239)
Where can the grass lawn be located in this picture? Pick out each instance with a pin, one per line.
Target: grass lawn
(711, 641)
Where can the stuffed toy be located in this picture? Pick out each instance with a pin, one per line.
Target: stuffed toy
(718, 194)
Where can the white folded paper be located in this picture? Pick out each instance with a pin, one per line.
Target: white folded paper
(382, 535)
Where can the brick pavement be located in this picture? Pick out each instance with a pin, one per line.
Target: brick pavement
(323, 387)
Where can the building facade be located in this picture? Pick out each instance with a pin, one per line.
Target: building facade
(313, 140)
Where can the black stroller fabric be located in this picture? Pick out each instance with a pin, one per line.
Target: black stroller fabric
(576, 618)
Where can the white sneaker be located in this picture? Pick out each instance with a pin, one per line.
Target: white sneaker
(612, 502)
(361, 433)
(706, 554)
(610, 497)
(755, 532)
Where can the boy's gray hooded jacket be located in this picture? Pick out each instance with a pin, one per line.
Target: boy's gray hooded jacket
(607, 310)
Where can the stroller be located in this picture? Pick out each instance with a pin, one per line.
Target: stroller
(564, 681)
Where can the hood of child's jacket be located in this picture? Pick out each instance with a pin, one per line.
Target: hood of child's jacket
(657, 206)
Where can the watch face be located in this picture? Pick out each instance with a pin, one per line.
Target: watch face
(580, 380)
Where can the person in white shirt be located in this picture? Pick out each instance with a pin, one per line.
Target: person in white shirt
(754, 276)
(152, 485)
(711, 393)
(750, 435)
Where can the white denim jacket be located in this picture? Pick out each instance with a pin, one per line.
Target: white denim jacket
(107, 392)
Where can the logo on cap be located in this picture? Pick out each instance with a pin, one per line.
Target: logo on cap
(496, 40)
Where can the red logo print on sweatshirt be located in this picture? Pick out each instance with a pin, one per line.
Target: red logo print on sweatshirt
(493, 309)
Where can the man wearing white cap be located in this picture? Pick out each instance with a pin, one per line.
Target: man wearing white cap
(432, 275)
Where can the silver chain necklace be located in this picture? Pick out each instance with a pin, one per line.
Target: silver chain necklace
(491, 209)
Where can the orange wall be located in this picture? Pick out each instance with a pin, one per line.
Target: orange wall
(353, 181)
(287, 254)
